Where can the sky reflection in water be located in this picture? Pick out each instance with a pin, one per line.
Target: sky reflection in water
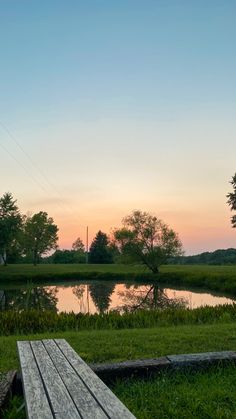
(100, 297)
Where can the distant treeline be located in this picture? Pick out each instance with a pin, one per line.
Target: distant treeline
(218, 257)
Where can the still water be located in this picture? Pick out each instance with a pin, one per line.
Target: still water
(100, 297)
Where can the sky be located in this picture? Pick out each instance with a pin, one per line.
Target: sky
(110, 106)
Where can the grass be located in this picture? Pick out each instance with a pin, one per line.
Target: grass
(181, 395)
(177, 395)
(36, 321)
(217, 278)
(118, 345)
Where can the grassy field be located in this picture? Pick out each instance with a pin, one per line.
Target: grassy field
(216, 278)
(208, 394)
(118, 345)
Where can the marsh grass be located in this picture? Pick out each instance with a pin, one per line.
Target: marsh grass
(36, 321)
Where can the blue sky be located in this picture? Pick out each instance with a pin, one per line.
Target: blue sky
(121, 105)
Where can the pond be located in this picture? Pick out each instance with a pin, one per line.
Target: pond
(102, 296)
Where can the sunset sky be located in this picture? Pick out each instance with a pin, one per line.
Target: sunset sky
(109, 106)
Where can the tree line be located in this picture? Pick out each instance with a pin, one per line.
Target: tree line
(143, 238)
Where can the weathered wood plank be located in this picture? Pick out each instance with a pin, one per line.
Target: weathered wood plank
(82, 397)
(110, 403)
(37, 405)
(140, 368)
(201, 358)
(60, 400)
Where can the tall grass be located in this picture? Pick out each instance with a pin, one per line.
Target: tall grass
(34, 321)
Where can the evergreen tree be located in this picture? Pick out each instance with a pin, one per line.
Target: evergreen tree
(99, 249)
(10, 225)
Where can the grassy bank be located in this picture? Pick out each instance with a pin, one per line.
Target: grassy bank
(34, 321)
(217, 278)
(119, 345)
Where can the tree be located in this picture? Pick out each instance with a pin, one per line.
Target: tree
(40, 235)
(99, 249)
(147, 240)
(232, 200)
(78, 245)
(79, 251)
(10, 225)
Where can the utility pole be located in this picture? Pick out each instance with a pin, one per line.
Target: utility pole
(87, 245)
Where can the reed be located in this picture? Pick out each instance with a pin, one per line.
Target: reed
(34, 321)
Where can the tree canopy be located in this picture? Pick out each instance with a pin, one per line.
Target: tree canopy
(10, 224)
(99, 249)
(147, 240)
(232, 200)
(40, 235)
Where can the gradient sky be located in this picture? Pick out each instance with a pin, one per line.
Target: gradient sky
(109, 106)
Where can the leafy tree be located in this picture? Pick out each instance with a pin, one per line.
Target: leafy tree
(78, 249)
(40, 235)
(10, 225)
(67, 256)
(99, 249)
(78, 245)
(232, 200)
(146, 239)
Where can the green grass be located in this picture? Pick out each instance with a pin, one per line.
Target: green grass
(217, 278)
(36, 321)
(178, 395)
(203, 395)
(118, 345)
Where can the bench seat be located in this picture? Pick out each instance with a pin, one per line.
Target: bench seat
(57, 383)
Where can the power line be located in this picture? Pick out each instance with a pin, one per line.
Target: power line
(23, 167)
(13, 138)
(27, 155)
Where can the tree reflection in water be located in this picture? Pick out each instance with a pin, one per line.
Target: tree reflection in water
(101, 295)
(37, 298)
(147, 297)
(78, 291)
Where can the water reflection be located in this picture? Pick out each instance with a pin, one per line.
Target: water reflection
(148, 297)
(39, 298)
(101, 297)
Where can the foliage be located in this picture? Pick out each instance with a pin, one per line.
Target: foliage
(39, 321)
(147, 240)
(68, 256)
(218, 257)
(99, 249)
(78, 245)
(232, 200)
(10, 225)
(40, 235)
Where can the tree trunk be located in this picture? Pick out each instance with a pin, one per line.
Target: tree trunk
(35, 257)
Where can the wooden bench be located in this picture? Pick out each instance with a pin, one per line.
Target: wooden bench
(57, 383)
